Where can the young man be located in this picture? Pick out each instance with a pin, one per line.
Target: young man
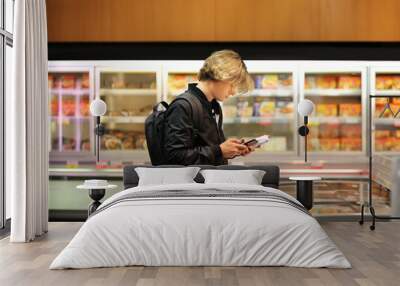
(223, 74)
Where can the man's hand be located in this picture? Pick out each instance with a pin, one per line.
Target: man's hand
(234, 147)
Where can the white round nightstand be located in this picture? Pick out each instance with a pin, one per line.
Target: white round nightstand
(304, 190)
(96, 193)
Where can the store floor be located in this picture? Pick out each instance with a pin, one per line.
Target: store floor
(374, 255)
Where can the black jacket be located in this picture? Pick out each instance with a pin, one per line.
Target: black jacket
(180, 146)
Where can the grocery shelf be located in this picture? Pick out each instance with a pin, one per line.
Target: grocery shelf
(127, 91)
(66, 91)
(332, 92)
(334, 119)
(264, 120)
(271, 92)
(387, 121)
(56, 117)
(388, 92)
(123, 119)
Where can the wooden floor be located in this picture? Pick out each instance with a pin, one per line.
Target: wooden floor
(375, 257)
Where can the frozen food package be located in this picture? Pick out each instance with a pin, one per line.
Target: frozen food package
(270, 81)
(284, 81)
(85, 81)
(329, 144)
(327, 109)
(68, 81)
(310, 82)
(381, 134)
(349, 82)
(326, 82)
(350, 109)
(328, 130)
(267, 108)
(350, 144)
(350, 131)
(396, 82)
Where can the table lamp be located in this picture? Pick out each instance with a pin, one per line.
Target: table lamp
(305, 108)
(98, 108)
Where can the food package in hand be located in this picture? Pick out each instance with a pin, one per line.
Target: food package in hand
(349, 109)
(326, 109)
(270, 81)
(350, 144)
(68, 81)
(326, 82)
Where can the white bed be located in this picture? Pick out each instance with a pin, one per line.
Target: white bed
(185, 230)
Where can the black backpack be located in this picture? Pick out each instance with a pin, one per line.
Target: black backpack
(154, 126)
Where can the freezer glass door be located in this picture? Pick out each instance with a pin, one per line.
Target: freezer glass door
(386, 111)
(130, 97)
(268, 109)
(336, 123)
(69, 94)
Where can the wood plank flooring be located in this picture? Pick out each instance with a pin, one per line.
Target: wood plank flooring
(375, 257)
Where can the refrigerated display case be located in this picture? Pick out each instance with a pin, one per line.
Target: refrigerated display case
(130, 92)
(70, 92)
(385, 82)
(268, 109)
(338, 123)
(176, 77)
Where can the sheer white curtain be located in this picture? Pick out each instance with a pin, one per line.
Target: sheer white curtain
(27, 127)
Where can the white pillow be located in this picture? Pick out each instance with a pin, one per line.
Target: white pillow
(248, 177)
(165, 176)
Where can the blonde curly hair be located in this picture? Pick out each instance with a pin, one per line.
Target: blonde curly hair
(227, 65)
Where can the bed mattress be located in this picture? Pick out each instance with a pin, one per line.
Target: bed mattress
(201, 225)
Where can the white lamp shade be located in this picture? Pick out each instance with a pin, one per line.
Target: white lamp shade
(98, 107)
(305, 107)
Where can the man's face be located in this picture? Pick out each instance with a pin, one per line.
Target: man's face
(222, 90)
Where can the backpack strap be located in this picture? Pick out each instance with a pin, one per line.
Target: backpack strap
(197, 110)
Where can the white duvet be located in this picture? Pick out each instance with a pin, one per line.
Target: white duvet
(200, 231)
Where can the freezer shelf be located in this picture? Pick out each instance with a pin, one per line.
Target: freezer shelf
(336, 123)
(268, 109)
(130, 97)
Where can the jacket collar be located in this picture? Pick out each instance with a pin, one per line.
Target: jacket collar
(197, 91)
